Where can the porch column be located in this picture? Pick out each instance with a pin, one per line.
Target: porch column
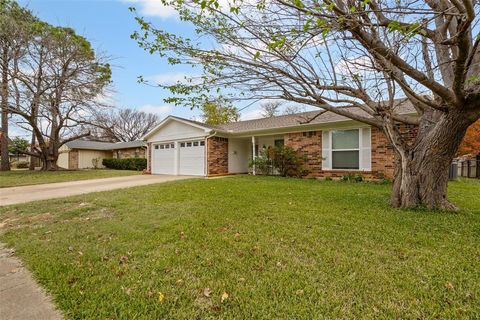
(253, 155)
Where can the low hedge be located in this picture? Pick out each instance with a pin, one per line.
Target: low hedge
(125, 164)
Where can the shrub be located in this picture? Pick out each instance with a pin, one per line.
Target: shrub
(125, 164)
(22, 165)
(351, 177)
(289, 162)
(96, 163)
(263, 164)
(283, 161)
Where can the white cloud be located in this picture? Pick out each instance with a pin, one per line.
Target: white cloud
(167, 79)
(154, 8)
(107, 98)
(251, 114)
(354, 65)
(159, 110)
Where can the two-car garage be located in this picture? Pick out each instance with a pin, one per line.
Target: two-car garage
(179, 157)
(177, 147)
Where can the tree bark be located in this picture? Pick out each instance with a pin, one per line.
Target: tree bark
(5, 160)
(421, 172)
(49, 161)
(31, 166)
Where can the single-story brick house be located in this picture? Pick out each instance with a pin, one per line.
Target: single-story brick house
(83, 154)
(333, 144)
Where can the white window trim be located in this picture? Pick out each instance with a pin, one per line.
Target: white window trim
(360, 150)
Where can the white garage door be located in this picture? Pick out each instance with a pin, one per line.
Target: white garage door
(192, 158)
(163, 161)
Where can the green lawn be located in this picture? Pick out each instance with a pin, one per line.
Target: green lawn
(279, 248)
(17, 178)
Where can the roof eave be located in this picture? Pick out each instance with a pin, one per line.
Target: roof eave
(169, 118)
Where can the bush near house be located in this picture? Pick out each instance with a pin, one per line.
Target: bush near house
(126, 164)
(280, 160)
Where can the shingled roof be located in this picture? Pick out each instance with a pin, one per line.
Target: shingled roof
(97, 145)
(298, 119)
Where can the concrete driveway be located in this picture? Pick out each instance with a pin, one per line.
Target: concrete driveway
(24, 194)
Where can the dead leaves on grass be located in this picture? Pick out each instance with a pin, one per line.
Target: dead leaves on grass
(207, 292)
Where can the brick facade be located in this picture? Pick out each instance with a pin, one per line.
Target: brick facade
(149, 158)
(309, 144)
(217, 159)
(73, 160)
(130, 153)
(383, 156)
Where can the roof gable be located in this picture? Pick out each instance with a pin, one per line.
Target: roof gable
(173, 128)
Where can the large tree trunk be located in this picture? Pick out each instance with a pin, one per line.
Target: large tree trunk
(421, 173)
(33, 141)
(49, 159)
(5, 161)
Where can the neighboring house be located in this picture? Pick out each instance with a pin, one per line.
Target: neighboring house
(83, 154)
(333, 144)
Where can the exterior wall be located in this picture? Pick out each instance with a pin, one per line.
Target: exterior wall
(310, 145)
(139, 152)
(217, 156)
(239, 151)
(149, 157)
(73, 159)
(383, 157)
(175, 130)
(86, 157)
(382, 154)
(267, 141)
(63, 157)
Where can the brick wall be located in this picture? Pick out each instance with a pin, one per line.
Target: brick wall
(383, 155)
(217, 156)
(130, 153)
(309, 144)
(149, 157)
(73, 159)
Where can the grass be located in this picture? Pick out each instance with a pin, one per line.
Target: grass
(279, 248)
(17, 178)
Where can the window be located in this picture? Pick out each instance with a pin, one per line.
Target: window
(195, 143)
(172, 145)
(167, 146)
(189, 144)
(156, 147)
(202, 143)
(182, 144)
(162, 146)
(345, 149)
(279, 143)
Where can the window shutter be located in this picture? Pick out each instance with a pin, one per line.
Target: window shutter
(365, 149)
(326, 161)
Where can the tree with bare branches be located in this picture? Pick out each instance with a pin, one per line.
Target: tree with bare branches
(122, 125)
(353, 58)
(15, 21)
(54, 85)
(270, 109)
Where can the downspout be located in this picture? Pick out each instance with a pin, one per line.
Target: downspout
(212, 134)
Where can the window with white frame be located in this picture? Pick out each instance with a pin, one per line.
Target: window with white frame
(345, 149)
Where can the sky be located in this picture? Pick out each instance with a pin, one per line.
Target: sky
(108, 24)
